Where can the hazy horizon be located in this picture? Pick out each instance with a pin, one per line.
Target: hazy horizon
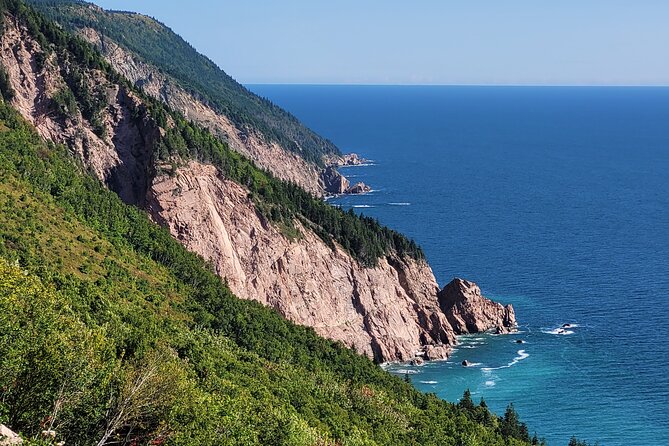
(517, 43)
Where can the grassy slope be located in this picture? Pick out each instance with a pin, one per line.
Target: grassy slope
(158, 45)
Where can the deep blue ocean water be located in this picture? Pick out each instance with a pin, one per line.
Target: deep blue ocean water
(553, 199)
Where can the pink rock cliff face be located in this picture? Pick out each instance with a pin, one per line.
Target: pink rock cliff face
(389, 312)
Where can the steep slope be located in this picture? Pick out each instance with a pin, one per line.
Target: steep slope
(386, 312)
(350, 278)
(112, 333)
(164, 66)
(158, 45)
(266, 153)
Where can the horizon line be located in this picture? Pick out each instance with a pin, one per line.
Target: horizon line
(354, 84)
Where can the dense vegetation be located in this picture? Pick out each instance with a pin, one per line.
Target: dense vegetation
(284, 202)
(160, 46)
(279, 201)
(110, 330)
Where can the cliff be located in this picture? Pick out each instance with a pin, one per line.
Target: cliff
(118, 151)
(266, 153)
(391, 311)
(388, 312)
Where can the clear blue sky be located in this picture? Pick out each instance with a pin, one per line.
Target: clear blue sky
(558, 42)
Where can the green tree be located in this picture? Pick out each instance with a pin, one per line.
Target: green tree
(466, 402)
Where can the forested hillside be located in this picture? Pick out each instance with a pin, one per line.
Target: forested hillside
(160, 46)
(110, 330)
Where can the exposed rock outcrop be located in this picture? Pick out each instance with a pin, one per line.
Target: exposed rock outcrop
(266, 154)
(351, 159)
(334, 182)
(9, 437)
(358, 188)
(389, 312)
(122, 156)
(469, 312)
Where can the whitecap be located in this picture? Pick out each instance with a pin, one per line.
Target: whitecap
(490, 383)
(362, 206)
(406, 371)
(429, 382)
(399, 204)
(346, 166)
(522, 354)
(558, 331)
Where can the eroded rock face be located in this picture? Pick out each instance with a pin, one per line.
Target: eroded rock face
(334, 182)
(358, 188)
(388, 312)
(469, 312)
(268, 155)
(121, 156)
(351, 159)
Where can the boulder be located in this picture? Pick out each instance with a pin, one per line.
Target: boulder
(465, 363)
(436, 351)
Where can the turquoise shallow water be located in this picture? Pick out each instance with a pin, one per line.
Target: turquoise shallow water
(553, 199)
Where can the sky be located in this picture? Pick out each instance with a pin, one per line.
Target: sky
(452, 42)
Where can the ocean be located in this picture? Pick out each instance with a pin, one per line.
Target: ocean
(554, 199)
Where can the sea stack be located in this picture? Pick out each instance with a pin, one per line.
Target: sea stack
(469, 312)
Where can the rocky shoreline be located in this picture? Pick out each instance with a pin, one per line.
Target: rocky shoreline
(334, 183)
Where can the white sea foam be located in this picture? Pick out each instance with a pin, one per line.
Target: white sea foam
(346, 166)
(399, 204)
(559, 331)
(490, 383)
(406, 371)
(429, 382)
(522, 354)
(362, 206)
